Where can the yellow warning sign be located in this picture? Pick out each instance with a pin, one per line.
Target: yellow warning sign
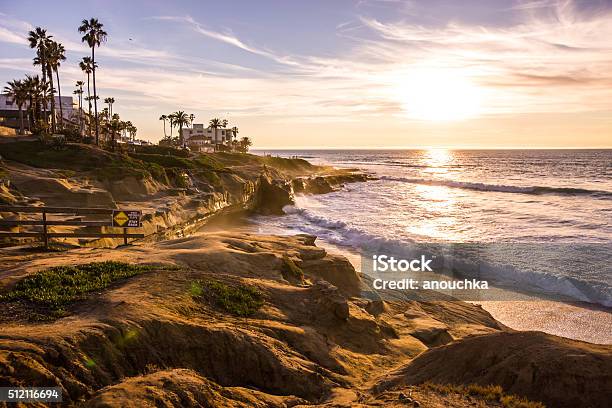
(127, 218)
(121, 218)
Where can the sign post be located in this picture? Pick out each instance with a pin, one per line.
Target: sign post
(127, 219)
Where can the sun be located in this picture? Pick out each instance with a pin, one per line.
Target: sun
(439, 95)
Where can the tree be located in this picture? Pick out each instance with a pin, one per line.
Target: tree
(171, 119)
(94, 35)
(235, 132)
(191, 118)
(35, 93)
(38, 94)
(164, 118)
(180, 119)
(245, 144)
(57, 54)
(18, 92)
(86, 66)
(109, 102)
(39, 40)
(79, 92)
(114, 126)
(215, 123)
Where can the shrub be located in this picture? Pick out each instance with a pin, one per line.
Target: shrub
(59, 286)
(239, 300)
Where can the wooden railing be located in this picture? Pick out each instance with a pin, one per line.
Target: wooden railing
(45, 223)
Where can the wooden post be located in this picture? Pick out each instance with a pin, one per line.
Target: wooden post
(45, 237)
(125, 238)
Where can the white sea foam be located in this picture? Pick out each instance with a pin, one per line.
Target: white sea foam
(513, 277)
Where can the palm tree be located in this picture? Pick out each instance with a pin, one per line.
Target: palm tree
(94, 35)
(114, 125)
(79, 92)
(39, 39)
(245, 143)
(191, 118)
(109, 102)
(87, 67)
(32, 86)
(215, 123)
(57, 54)
(235, 132)
(164, 118)
(171, 119)
(180, 119)
(38, 95)
(18, 92)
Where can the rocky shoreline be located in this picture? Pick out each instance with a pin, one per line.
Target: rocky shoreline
(226, 319)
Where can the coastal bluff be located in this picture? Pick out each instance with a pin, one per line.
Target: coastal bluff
(221, 319)
(177, 191)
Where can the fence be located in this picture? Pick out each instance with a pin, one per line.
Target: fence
(45, 223)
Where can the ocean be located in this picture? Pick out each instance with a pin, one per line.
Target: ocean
(543, 217)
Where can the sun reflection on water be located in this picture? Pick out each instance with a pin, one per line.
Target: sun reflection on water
(437, 160)
(437, 204)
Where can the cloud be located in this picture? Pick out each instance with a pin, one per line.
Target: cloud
(557, 62)
(227, 38)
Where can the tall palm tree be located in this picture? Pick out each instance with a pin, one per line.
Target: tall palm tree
(57, 54)
(133, 130)
(19, 93)
(86, 66)
(235, 132)
(32, 86)
(38, 60)
(171, 119)
(38, 95)
(114, 126)
(109, 102)
(39, 39)
(164, 118)
(215, 123)
(79, 93)
(180, 119)
(94, 35)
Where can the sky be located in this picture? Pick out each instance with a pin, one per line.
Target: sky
(339, 74)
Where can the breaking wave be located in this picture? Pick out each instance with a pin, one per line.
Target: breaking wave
(339, 233)
(504, 188)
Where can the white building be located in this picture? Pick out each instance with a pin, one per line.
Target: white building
(200, 144)
(9, 111)
(216, 136)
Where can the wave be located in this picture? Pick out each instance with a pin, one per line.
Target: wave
(570, 191)
(340, 233)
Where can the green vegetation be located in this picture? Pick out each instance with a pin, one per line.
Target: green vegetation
(493, 393)
(239, 300)
(164, 160)
(165, 150)
(57, 287)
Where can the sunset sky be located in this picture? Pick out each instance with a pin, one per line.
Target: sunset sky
(368, 73)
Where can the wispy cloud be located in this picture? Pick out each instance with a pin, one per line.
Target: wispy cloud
(227, 38)
(558, 61)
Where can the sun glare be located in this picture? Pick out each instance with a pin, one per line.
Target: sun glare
(439, 95)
